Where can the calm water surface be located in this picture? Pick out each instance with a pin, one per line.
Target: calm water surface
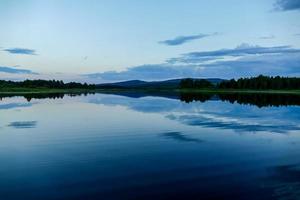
(106, 146)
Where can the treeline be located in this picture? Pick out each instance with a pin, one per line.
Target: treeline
(195, 83)
(48, 84)
(255, 83)
(262, 83)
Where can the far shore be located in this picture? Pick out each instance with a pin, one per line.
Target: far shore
(20, 91)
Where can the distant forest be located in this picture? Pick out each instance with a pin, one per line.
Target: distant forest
(256, 83)
(48, 84)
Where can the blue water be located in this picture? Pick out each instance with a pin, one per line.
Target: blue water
(116, 147)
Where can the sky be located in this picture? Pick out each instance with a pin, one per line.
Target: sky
(114, 40)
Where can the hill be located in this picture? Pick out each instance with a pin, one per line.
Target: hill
(138, 84)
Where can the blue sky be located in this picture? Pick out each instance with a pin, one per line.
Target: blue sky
(112, 40)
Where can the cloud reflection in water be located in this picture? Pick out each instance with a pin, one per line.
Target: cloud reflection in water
(23, 124)
(178, 136)
(213, 113)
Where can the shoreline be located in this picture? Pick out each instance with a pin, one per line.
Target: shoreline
(216, 91)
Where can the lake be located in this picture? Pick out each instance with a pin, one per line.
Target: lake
(158, 146)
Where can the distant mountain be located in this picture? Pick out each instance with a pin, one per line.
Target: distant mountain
(138, 84)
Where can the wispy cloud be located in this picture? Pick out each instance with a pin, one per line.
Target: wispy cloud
(21, 51)
(241, 50)
(147, 72)
(184, 39)
(284, 64)
(244, 60)
(267, 37)
(14, 70)
(285, 5)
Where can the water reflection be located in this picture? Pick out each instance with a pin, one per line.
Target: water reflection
(178, 136)
(202, 97)
(262, 100)
(23, 124)
(14, 105)
(258, 99)
(238, 112)
(284, 181)
(120, 147)
(213, 113)
(30, 96)
(239, 125)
